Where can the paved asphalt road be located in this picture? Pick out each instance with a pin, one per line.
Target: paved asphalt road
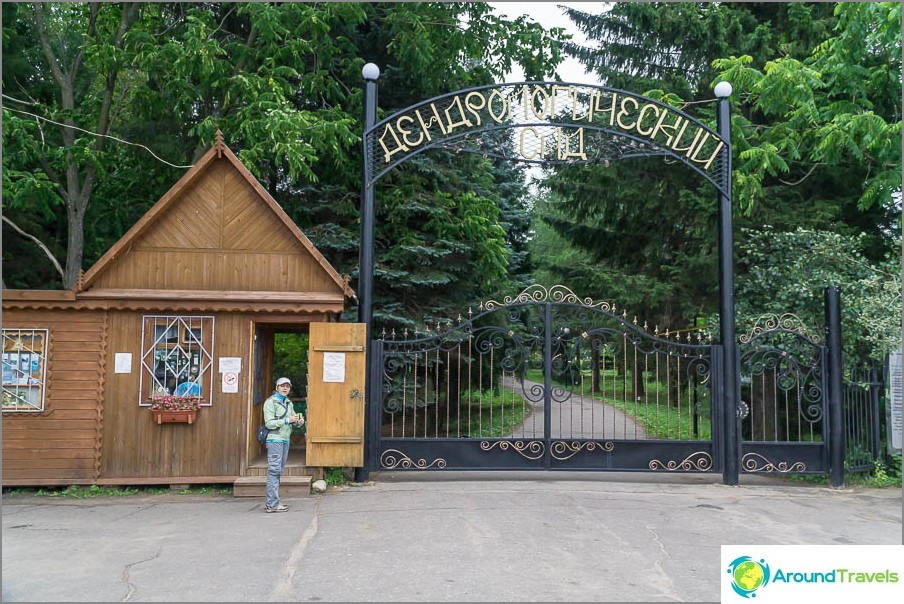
(421, 537)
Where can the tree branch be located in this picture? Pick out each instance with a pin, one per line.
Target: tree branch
(37, 241)
(803, 178)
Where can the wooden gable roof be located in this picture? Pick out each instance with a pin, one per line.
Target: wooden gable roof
(217, 234)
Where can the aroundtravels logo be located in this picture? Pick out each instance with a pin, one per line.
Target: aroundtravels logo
(811, 573)
(748, 575)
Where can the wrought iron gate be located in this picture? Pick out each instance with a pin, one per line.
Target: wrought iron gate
(784, 393)
(546, 380)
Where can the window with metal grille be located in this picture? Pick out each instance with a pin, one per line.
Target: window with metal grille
(176, 358)
(24, 369)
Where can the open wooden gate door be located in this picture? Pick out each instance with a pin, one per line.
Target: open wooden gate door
(336, 372)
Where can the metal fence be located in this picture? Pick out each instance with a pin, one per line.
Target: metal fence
(862, 440)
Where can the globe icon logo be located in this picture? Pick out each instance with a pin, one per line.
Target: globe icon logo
(748, 575)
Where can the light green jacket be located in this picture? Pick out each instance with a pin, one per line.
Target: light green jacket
(276, 422)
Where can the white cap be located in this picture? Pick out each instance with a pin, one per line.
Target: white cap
(283, 380)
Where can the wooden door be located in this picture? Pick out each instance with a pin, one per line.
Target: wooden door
(336, 371)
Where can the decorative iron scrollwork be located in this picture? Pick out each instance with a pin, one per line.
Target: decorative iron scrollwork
(393, 458)
(562, 449)
(699, 460)
(787, 321)
(530, 450)
(539, 293)
(754, 462)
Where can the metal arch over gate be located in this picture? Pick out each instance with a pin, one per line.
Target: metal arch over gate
(556, 122)
(546, 380)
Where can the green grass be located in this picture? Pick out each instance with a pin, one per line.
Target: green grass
(492, 414)
(335, 476)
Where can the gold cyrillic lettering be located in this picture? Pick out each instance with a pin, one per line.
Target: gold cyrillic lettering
(404, 132)
(472, 107)
(428, 124)
(690, 148)
(505, 106)
(640, 118)
(387, 154)
(610, 109)
(543, 145)
(576, 105)
(662, 126)
(533, 103)
(555, 92)
(624, 111)
(709, 161)
(521, 143)
(464, 121)
(564, 138)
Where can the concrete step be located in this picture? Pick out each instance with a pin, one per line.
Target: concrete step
(256, 486)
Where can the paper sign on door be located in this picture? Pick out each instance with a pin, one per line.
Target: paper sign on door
(334, 367)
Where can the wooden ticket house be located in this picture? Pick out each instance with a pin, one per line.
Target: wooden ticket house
(182, 309)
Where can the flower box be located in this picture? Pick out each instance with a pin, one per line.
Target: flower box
(168, 409)
(168, 417)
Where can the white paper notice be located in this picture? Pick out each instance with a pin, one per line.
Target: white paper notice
(233, 364)
(334, 367)
(123, 362)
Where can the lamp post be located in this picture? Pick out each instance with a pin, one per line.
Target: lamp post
(370, 73)
(366, 254)
(730, 383)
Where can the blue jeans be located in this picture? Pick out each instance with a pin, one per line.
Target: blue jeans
(277, 454)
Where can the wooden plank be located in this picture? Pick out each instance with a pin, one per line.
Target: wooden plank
(40, 436)
(67, 411)
(231, 295)
(38, 294)
(81, 366)
(47, 463)
(69, 443)
(51, 482)
(339, 348)
(334, 439)
(78, 347)
(73, 381)
(53, 477)
(41, 424)
(48, 454)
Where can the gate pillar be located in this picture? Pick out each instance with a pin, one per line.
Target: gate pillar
(730, 382)
(833, 339)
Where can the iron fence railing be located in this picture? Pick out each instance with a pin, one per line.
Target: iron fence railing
(860, 412)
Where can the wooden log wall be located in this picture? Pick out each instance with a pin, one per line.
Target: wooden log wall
(62, 444)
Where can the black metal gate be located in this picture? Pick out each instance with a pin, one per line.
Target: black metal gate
(784, 398)
(546, 380)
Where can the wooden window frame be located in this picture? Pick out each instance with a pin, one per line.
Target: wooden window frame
(176, 350)
(24, 391)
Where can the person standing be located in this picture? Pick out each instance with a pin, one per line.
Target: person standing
(279, 416)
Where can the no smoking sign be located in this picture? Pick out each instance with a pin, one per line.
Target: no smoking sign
(230, 381)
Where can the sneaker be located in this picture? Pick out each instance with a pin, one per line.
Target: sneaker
(279, 508)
